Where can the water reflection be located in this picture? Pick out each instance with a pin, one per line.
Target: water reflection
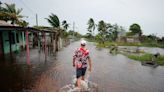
(17, 76)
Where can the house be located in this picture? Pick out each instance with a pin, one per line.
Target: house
(16, 38)
(10, 40)
(130, 39)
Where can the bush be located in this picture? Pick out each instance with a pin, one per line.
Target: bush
(146, 57)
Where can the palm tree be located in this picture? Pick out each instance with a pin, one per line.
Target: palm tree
(91, 26)
(53, 20)
(136, 29)
(64, 32)
(10, 13)
(115, 32)
(65, 24)
(102, 29)
(65, 27)
(23, 23)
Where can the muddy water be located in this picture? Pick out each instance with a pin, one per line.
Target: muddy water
(111, 73)
(152, 50)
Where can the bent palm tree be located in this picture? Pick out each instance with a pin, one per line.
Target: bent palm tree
(53, 20)
(65, 25)
(64, 32)
(102, 29)
(91, 26)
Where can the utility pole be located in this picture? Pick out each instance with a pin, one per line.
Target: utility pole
(39, 39)
(0, 4)
(73, 28)
(36, 19)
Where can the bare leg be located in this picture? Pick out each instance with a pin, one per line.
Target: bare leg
(78, 82)
(83, 77)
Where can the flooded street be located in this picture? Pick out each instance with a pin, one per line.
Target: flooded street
(112, 73)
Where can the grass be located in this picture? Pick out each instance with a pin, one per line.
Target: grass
(153, 45)
(108, 44)
(146, 57)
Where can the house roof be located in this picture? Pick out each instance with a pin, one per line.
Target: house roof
(4, 23)
(18, 28)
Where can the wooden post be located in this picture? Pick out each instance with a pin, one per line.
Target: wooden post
(27, 49)
(45, 47)
(39, 42)
(23, 41)
(10, 44)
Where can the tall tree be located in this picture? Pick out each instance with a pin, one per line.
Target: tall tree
(91, 26)
(64, 32)
(115, 31)
(135, 29)
(53, 20)
(65, 25)
(102, 29)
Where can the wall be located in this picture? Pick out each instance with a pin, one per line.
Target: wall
(16, 46)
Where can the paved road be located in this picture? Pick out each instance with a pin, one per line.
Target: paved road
(111, 73)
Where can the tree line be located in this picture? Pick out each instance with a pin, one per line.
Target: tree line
(110, 32)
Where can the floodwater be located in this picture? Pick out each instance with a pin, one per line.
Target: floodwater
(152, 50)
(112, 73)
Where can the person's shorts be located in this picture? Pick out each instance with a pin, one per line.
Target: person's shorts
(80, 72)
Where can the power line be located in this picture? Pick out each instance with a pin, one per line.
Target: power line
(30, 11)
(27, 7)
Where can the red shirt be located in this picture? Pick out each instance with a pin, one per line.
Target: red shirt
(81, 56)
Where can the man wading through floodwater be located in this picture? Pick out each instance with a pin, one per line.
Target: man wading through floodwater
(80, 60)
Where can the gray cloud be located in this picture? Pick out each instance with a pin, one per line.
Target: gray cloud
(148, 13)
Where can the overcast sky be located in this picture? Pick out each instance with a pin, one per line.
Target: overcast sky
(149, 14)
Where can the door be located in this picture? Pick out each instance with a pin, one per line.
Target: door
(1, 45)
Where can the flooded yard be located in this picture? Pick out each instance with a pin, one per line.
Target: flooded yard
(152, 50)
(112, 73)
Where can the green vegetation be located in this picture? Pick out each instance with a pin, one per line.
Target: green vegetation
(110, 34)
(10, 13)
(145, 57)
(91, 27)
(142, 58)
(135, 29)
(54, 21)
(108, 44)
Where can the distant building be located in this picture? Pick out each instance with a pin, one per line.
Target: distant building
(130, 39)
